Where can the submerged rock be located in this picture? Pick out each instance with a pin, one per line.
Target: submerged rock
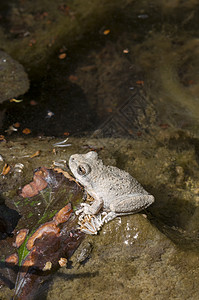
(13, 78)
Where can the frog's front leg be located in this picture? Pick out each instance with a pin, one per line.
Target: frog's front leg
(92, 209)
(128, 204)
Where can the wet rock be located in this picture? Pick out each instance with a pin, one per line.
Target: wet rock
(131, 257)
(13, 78)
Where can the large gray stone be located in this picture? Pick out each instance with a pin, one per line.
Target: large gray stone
(13, 78)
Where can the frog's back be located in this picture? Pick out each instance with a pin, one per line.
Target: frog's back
(114, 182)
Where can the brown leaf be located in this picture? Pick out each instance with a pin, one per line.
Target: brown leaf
(12, 259)
(106, 31)
(140, 82)
(63, 215)
(49, 227)
(38, 184)
(6, 169)
(62, 56)
(26, 131)
(37, 153)
(20, 237)
(2, 138)
(73, 78)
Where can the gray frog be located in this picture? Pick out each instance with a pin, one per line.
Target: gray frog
(114, 190)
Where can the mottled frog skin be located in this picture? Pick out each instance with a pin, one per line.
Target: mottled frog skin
(114, 191)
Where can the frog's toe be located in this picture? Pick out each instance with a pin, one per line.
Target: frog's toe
(110, 216)
(79, 211)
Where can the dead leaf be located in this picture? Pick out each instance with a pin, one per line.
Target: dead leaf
(2, 138)
(38, 184)
(164, 125)
(62, 56)
(17, 124)
(32, 42)
(140, 82)
(26, 131)
(20, 237)
(73, 78)
(66, 174)
(37, 153)
(63, 214)
(33, 102)
(106, 31)
(12, 259)
(66, 133)
(6, 169)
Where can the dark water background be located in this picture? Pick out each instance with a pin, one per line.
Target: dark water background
(160, 41)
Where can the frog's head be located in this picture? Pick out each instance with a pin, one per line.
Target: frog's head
(82, 166)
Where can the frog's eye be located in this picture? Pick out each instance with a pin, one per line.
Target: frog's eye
(83, 169)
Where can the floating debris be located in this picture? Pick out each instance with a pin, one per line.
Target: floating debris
(50, 114)
(48, 266)
(62, 262)
(140, 82)
(66, 133)
(106, 31)
(18, 167)
(17, 124)
(92, 147)
(11, 129)
(2, 138)
(60, 164)
(73, 78)
(32, 42)
(143, 16)
(125, 51)
(26, 131)
(164, 125)
(16, 100)
(62, 55)
(62, 144)
(33, 102)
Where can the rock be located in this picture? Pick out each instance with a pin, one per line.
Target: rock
(131, 259)
(13, 78)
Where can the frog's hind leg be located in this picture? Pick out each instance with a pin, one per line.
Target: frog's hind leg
(131, 203)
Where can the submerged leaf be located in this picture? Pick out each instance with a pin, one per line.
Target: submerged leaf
(47, 243)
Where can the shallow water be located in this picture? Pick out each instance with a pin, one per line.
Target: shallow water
(121, 77)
